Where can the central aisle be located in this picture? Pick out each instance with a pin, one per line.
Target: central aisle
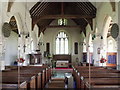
(60, 78)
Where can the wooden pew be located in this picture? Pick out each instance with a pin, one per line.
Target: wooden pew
(102, 82)
(82, 71)
(30, 78)
(26, 71)
(12, 82)
(97, 75)
(33, 75)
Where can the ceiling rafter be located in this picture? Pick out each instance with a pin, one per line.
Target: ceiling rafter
(85, 5)
(88, 6)
(32, 11)
(43, 13)
(93, 8)
(61, 16)
(41, 9)
(36, 11)
(34, 7)
(82, 6)
(82, 10)
(61, 26)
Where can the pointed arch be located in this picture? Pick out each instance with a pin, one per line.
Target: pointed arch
(61, 42)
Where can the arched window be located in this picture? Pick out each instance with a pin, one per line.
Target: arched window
(62, 43)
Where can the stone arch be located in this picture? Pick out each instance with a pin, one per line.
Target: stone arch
(19, 22)
(111, 44)
(106, 23)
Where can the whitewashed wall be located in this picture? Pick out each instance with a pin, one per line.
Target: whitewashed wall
(11, 49)
(73, 33)
(17, 10)
(102, 26)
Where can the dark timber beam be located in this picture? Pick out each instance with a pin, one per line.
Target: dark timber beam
(10, 5)
(84, 31)
(62, 8)
(39, 32)
(33, 24)
(113, 5)
(37, 19)
(90, 22)
(62, 26)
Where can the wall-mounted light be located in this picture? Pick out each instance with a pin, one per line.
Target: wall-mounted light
(19, 35)
(26, 37)
(82, 43)
(93, 37)
(101, 37)
(41, 43)
(24, 47)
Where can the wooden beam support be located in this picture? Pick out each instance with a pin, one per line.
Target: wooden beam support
(61, 26)
(10, 3)
(84, 31)
(43, 30)
(33, 24)
(90, 22)
(39, 32)
(37, 19)
(113, 5)
(62, 8)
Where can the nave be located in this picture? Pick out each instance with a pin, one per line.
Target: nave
(42, 77)
(59, 44)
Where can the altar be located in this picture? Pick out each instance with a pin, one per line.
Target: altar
(62, 60)
(62, 63)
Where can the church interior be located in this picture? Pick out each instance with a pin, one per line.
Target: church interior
(46, 44)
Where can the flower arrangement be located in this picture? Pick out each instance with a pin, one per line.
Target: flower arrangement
(102, 60)
(20, 60)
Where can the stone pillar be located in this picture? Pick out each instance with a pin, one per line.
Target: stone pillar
(2, 53)
(118, 43)
(118, 56)
(96, 56)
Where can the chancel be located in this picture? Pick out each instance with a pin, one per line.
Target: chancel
(46, 44)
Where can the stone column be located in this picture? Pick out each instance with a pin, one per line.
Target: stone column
(118, 44)
(96, 56)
